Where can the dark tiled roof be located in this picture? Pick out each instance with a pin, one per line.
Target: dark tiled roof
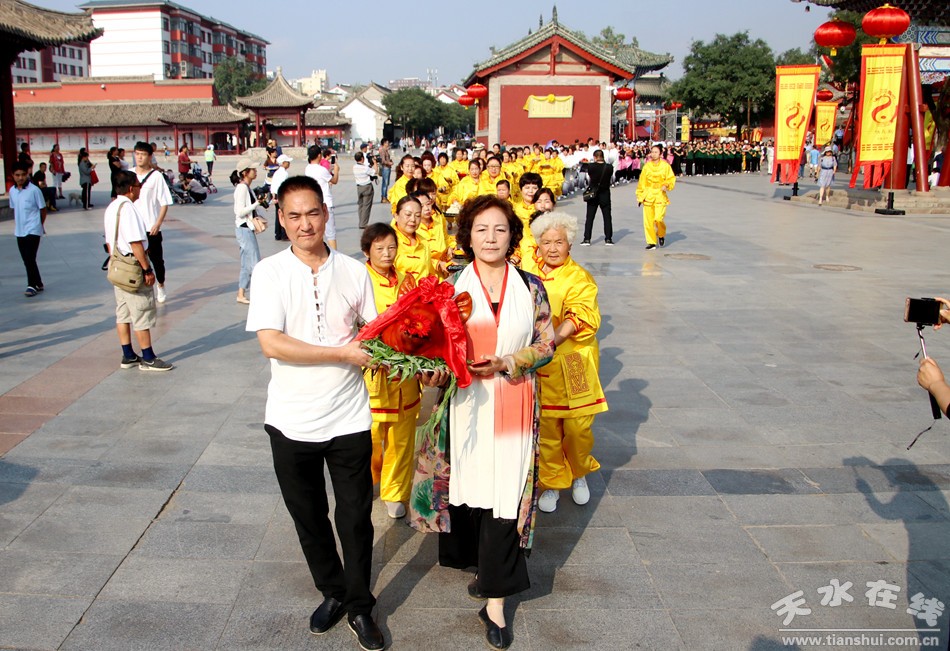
(651, 88)
(25, 26)
(316, 119)
(198, 113)
(629, 58)
(924, 12)
(121, 114)
(277, 94)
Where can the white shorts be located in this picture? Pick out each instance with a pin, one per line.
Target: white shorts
(137, 308)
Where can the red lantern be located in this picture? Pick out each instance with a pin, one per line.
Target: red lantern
(834, 34)
(885, 22)
(824, 95)
(477, 91)
(624, 94)
(676, 105)
(466, 100)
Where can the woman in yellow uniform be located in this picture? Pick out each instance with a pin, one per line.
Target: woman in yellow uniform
(547, 168)
(524, 207)
(395, 405)
(544, 202)
(656, 179)
(445, 179)
(398, 190)
(412, 258)
(468, 187)
(570, 391)
(432, 231)
(488, 183)
(460, 164)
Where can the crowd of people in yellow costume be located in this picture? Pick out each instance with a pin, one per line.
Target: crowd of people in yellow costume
(419, 242)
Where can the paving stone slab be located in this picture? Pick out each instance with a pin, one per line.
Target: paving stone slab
(23, 571)
(628, 483)
(590, 587)
(279, 627)
(273, 583)
(912, 541)
(233, 479)
(191, 506)
(201, 540)
(617, 628)
(576, 546)
(205, 581)
(818, 543)
(34, 497)
(774, 509)
(781, 481)
(85, 533)
(131, 625)
(727, 585)
(693, 543)
(38, 621)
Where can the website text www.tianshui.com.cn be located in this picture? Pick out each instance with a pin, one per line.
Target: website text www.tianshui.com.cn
(862, 639)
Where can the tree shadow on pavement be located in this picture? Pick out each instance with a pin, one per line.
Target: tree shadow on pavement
(14, 480)
(220, 338)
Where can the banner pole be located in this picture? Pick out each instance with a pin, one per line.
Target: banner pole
(916, 120)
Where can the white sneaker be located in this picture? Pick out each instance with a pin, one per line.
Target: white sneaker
(580, 492)
(395, 510)
(548, 501)
(159, 293)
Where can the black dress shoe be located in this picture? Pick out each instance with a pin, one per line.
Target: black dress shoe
(498, 637)
(662, 241)
(367, 632)
(473, 590)
(326, 616)
(650, 247)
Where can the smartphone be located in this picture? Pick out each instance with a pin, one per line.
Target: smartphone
(481, 364)
(333, 160)
(922, 311)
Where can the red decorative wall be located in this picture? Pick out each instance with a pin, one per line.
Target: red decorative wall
(518, 128)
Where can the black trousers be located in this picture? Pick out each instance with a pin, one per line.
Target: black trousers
(29, 245)
(86, 194)
(602, 200)
(279, 232)
(490, 544)
(157, 256)
(299, 468)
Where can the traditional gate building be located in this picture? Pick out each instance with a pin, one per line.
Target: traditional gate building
(555, 84)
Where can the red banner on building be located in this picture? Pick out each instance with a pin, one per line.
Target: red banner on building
(882, 79)
(795, 88)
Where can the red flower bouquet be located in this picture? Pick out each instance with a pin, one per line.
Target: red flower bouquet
(423, 331)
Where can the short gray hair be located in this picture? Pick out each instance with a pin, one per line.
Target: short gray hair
(555, 219)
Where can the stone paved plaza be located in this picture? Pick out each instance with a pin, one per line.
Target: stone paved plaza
(762, 392)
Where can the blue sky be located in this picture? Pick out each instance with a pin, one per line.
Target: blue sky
(379, 41)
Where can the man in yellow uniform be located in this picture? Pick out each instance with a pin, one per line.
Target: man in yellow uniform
(394, 404)
(570, 392)
(432, 230)
(398, 190)
(656, 179)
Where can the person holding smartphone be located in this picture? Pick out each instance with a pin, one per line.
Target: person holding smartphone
(929, 375)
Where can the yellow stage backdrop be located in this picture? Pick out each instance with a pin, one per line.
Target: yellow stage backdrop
(549, 106)
(825, 113)
(795, 88)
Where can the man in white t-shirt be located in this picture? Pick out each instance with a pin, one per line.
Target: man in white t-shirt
(309, 303)
(133, 310)
(279, 176)
(152, 204)
(325, 176)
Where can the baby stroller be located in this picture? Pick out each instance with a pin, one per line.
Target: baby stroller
(178, 195)
(203, 178)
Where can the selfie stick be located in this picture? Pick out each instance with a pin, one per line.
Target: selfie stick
(934, 407)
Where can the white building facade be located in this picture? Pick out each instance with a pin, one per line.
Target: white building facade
(51, 64)
(166, 40)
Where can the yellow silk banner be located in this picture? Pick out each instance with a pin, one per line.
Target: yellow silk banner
(825, 113)
(882, 73)
(684, 131)
(549, 106)
(795, 88)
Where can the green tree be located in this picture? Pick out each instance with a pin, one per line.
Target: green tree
(730, 76)
(795, 57)
(415, 110)
(609, 39)
(457, 119)
(235, 78)
(846, 64)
